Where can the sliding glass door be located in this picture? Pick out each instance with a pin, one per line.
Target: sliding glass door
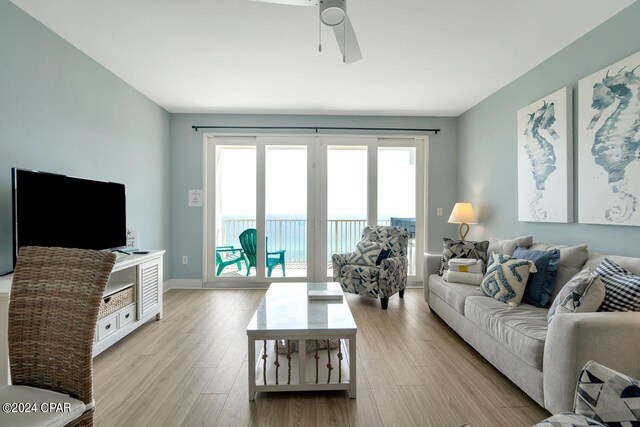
(279, 207)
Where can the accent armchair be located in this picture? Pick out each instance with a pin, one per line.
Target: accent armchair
(377, 281)
(604, 397)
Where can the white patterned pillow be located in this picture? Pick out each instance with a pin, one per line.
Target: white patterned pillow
(506, 278)
(582, 294)
(366, 253)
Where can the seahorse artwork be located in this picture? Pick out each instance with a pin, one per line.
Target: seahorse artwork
(541, 153)
(617, 141)
(613, 129)
(544, 153)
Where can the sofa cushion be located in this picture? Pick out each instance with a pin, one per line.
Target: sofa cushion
(522, 329)
(508, 246)
(626, 262)
(572, 260)
(452, 293)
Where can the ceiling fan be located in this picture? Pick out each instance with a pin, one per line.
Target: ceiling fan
(333, 13)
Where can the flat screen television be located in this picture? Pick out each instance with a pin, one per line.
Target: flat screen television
(64, 211)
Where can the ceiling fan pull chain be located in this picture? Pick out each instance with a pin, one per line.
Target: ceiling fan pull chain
(319, 31)
(344, 42)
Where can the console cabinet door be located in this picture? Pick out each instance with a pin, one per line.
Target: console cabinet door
(150, 279)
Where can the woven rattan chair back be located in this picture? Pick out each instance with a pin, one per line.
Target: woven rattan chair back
(53, 309)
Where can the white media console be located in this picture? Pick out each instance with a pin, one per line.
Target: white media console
(137, 275)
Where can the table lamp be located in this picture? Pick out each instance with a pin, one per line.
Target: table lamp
(463, 214)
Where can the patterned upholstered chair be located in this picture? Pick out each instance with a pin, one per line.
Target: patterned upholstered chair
(603, 398)
(379, 281)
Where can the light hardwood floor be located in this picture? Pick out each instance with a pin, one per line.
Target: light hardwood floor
(190, 369)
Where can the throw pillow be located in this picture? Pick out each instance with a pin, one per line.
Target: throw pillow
(540, 285)
(506, 278)
(366, 253)
(508, 246)
(582, 294)
(572, 259)
(622, 287)
(384, 254)
(462, 249)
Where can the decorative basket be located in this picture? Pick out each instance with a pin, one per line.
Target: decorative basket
(281, 345)
(115, 302)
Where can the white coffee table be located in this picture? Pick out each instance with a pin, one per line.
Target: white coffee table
(285, 313)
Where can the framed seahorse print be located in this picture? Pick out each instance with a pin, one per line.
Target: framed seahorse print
(609, 145)
(545, 159)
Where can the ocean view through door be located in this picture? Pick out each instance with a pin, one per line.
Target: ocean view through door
(278, 207)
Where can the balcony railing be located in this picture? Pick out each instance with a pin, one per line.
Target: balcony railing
(291, 234)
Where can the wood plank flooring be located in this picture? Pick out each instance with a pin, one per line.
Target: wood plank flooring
(190, 369)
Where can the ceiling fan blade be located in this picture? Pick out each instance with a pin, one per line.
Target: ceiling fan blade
(347, 41)
(291, 2)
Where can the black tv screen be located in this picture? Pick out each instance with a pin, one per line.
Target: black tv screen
(63, 211)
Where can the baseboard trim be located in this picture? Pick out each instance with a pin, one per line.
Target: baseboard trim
(182, 284)
(198, 284)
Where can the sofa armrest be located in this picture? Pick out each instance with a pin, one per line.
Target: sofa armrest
(338, 261)
(392, 276)
(610, 339)
(431, 266)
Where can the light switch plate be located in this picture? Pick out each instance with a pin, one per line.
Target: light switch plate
(195, 198)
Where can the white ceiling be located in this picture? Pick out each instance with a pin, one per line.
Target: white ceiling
(421, 57)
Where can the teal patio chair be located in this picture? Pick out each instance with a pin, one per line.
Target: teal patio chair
(229, 258)
(248, 241)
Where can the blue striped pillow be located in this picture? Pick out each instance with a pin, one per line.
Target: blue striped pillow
(622, 288)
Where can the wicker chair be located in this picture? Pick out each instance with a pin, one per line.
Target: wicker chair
(53, 310)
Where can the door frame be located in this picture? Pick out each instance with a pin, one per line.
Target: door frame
(316, 199)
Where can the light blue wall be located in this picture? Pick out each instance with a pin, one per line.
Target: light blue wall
(186, 172)
(487, 140)
(62, 112)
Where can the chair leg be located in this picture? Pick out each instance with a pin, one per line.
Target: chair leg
(401, 293)
(220, 268)
(269, 271)
(283, 273)
(248, 271)
(239, 264)
(384, 302)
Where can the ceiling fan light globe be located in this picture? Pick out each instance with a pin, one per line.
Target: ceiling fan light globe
(332, 12)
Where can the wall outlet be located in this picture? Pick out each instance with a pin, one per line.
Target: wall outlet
(185, 259)
(439, 211)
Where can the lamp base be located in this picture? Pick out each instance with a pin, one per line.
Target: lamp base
(463, 234)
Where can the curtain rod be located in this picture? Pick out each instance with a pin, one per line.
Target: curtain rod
(317, 128)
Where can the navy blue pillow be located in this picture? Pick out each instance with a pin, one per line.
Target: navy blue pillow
(540, 285)
(384, 254)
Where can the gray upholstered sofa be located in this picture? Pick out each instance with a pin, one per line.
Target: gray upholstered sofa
(543, 360)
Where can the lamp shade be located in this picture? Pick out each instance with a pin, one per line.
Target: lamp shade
(463, 214)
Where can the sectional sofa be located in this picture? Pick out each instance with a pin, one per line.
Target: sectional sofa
(543, 360)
